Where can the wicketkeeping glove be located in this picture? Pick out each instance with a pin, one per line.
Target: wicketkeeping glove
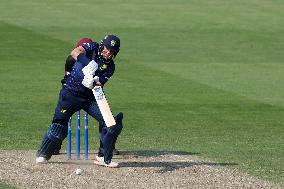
(91, 68)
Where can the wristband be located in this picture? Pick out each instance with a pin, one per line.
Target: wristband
(83, 59)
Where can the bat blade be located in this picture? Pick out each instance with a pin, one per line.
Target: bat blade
(103, 105)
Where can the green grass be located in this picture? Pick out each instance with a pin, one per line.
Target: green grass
(5, 186)
(203, 77)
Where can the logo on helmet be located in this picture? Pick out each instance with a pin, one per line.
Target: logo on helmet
(112, 43)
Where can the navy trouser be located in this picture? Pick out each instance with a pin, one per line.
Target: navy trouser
(71, 103)
(67, 105)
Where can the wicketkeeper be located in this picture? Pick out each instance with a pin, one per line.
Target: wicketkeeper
(77, 94)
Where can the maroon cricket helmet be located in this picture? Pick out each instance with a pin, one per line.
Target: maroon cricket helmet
(83, 41)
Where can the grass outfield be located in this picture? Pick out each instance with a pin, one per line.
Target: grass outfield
(200, 77)
(5, 186)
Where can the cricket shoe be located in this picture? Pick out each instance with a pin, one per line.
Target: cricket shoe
(41, 160)
(100, 161)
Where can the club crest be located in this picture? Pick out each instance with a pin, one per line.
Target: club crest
(103, 67)
(112, 43)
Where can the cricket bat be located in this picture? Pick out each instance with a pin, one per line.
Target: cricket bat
(103, 105)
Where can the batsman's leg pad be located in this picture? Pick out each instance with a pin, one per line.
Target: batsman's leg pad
(52, 140)
(57, 132)
(109, 137)
(118, 119)
(116, 130)
(102, 132)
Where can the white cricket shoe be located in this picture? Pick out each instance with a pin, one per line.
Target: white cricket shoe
(100, 161)
(41, 160)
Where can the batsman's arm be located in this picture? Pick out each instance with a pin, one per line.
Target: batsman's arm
(102, 79)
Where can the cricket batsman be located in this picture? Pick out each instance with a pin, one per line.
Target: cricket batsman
(69, 63)
(94, 67)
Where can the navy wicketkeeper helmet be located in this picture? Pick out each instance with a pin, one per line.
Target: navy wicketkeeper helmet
(111, 42)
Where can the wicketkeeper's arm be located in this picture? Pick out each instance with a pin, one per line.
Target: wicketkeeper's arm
(70, 61)
(77, 51)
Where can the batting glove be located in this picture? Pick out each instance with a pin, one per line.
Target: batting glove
(89, 80)
(91, 68)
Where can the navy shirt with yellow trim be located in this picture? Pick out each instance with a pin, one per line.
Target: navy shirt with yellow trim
(104, 72)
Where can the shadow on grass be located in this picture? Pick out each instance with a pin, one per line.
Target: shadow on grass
(152, 153)
(159, 161)
(166, 166)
